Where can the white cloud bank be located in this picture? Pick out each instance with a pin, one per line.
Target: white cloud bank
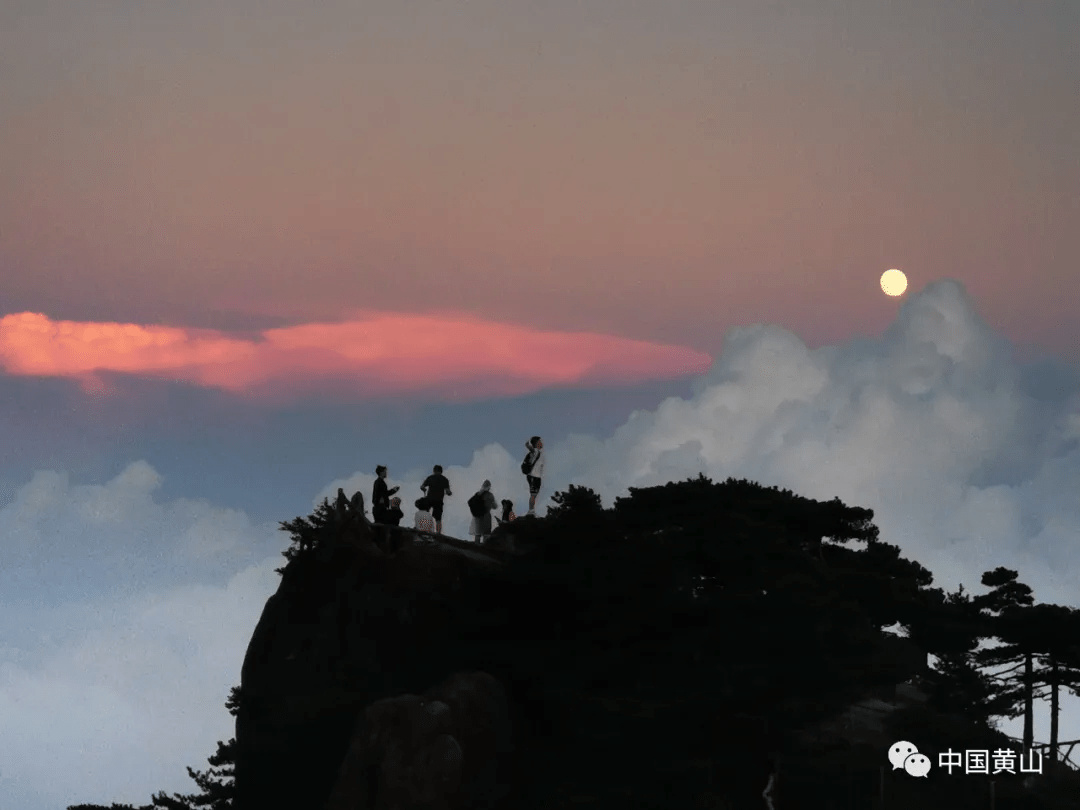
(969, 460)
(116, 657)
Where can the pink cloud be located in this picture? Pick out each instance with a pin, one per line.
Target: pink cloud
(452, 357)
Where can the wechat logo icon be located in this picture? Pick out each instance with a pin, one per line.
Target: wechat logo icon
(905, 755)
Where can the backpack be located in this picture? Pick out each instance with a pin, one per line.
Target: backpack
(529, 462)
(477, 505)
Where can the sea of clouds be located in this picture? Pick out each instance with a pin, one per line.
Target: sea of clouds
(969, 458)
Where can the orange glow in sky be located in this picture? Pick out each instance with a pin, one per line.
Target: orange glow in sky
(379, 355)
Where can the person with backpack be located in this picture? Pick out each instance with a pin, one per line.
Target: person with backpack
(480, 505)
(423, 521)
(435, 486)
(394, 513)
(533, 467)
(380, 496)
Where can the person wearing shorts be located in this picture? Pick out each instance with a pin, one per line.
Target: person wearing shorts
(435, 486)
(535, 446)
(534, 490)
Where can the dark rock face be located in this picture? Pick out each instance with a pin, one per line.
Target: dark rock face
(336, 638)
(451, 748)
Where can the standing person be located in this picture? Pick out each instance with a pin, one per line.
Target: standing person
(533, 467)
(480, 505)
(423, 520)
(380, 495)
(507, 512)
(435, 486)
(394, 513)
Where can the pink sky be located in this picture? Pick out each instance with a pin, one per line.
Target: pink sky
(383, 354)
(433, 201)
(655, 174)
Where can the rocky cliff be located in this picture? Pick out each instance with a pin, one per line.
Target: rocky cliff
(639, 657)
(337, 638)
(452, 747)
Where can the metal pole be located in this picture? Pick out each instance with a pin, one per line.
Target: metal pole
(991, 794)
(881, 787)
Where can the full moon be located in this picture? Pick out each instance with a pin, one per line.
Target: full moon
(893, 282)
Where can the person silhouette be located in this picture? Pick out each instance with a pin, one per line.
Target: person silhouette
(480, 527)
(380, 495)
(394, 513)
(535, 463)
(435, 486)
(507, 512)
(423, 521)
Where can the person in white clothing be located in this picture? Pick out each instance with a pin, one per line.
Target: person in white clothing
(423, 519)
(480, 527)
(535, 446)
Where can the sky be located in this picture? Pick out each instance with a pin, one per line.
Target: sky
(250, 251)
